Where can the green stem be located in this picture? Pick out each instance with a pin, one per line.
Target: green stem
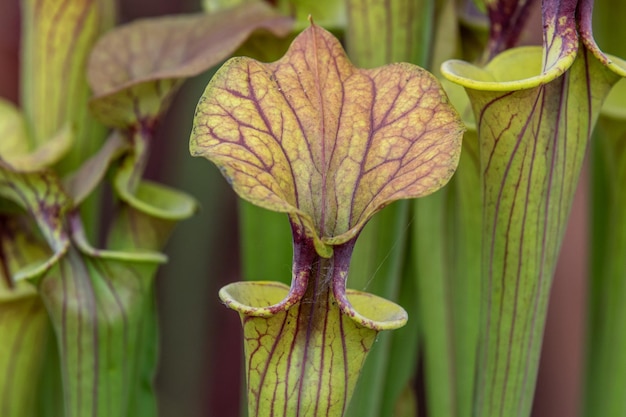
(606, 364)
(379, 267)
(434, 301)
(447, 253)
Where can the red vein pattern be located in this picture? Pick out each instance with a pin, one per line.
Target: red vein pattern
(533, 143)
(305, 360)
(533, 129)
(313, 136)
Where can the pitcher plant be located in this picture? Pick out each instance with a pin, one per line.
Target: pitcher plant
(330, 145)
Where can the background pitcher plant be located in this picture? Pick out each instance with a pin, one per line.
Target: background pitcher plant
(53, 161)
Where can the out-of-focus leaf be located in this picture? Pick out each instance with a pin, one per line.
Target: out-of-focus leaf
(265, 47)
(150, 210)
(380, 32)
(101, 308)
(446, 39)
(151, 198)
(465, 273)
(12, 131)
(432, 279)
(446, 249)
(474, 31)
(24, 329)
(605, 375)
(378, 266)
(367, 137)
(606, 339)
(135, 69)
(23, 321)
(407, 404)
(328, 13)
(14, 146)
(57, 39)
(509, 19)
(263, 228)
(50, 399)
(42, 196)
(82, 182)
(132, 252)
(213, 6)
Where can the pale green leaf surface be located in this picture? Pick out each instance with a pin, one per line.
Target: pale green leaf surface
(151, 198)
(15, 152)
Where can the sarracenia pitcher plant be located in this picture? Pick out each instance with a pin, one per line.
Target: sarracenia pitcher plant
(328, 144)
(535, 109)
(96, 302)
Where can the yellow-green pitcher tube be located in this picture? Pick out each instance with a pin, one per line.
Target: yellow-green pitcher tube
(305, 358)
(535, 109)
